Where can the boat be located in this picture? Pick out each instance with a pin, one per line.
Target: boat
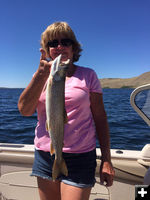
(130, 166)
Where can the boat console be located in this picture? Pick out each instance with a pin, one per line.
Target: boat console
(140, 101)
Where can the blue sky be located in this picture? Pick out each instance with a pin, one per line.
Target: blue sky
(115, 36)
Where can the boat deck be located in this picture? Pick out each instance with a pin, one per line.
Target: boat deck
(16, 183)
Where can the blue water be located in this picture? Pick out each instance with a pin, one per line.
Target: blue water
(127, 129)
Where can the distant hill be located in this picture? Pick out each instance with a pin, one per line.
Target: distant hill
(126, 82)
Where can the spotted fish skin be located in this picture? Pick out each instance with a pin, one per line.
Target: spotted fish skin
(56, 114)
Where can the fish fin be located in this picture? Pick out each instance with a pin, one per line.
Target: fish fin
(46, 126)
(59, 169)
(52, 150)
(50, 80)
(65, 117)
(64, 169)
(55, 170)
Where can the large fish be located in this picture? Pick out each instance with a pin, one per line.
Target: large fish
(56, 114)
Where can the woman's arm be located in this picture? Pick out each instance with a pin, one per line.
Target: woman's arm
(102, 129)
(29, 98)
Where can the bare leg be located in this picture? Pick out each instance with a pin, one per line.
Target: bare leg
(74, 193)
(48, 190)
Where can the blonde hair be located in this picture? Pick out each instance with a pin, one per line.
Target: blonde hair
(60, 29)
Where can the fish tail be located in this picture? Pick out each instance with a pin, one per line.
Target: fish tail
(64, 169)
(59, 168)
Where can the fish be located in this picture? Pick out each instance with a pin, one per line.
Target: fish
(56, 115)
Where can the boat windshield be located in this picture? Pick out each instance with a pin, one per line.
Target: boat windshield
(140, 101)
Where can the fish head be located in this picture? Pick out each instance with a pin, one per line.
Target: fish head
(59, 69)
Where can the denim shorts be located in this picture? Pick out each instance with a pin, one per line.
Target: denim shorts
(81, 168)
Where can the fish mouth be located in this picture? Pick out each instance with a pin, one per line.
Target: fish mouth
(65, 63)
(58, 64)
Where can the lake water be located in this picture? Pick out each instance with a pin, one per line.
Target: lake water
(127, 129)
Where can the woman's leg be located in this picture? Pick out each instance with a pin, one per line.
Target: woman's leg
(48, 190)
(74, 193)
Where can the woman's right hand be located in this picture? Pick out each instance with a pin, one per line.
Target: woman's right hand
(44, 66)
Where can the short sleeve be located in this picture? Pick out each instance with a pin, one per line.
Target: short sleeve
(94, 83)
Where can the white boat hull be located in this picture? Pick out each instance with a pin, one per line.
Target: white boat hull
(16, 164)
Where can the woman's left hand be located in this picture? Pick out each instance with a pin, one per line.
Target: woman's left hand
(106, 173)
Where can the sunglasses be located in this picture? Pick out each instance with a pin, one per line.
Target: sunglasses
(64, 42)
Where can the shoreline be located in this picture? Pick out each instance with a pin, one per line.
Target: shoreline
(134, 82)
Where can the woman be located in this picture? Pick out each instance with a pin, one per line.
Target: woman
(86, 118)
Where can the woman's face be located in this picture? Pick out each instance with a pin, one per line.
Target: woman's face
(62, 46)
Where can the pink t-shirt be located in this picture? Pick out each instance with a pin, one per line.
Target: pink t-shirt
(79, 132)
